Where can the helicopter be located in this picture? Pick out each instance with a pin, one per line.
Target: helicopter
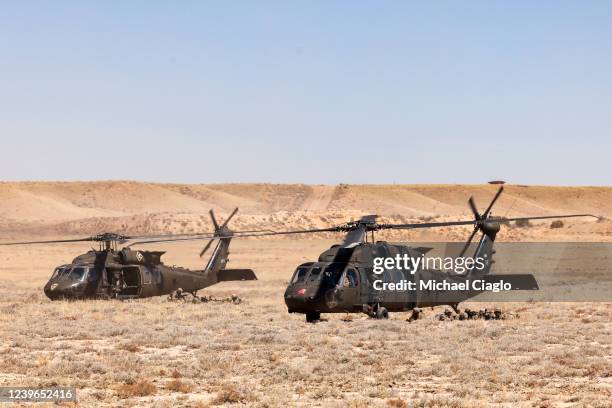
(127, 273)
(342, 280)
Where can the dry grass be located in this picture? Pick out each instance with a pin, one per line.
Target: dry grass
(151, 352)
(140, 388)
(177, 385)
(397, 403)
(230, 394)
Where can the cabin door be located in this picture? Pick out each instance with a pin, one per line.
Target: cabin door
(126, 281)
(351, 295)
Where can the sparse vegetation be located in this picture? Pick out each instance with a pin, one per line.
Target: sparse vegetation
(150, 351)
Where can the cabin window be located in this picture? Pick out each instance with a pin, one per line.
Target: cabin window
(78, 273)
(350, 278)
(147, 276)
(300, 275)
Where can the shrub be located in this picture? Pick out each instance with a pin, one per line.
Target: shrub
(397, 403)
(131, 347)
(140, 388)
(229, 394)
(556, 224)
(177, 385)
(523, 223)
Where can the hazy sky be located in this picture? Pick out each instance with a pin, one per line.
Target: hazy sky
(307, 91)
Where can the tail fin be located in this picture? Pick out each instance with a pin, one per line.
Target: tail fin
(218, 261)
(220, 255)
(484, 252)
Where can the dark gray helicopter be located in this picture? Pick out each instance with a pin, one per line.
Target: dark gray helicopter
(127, 273)
(343, 278)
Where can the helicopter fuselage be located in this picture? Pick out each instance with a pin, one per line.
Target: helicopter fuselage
(130, 274)
(343, 281)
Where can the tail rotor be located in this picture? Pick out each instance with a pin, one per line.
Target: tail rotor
(482, 223)
(221, 231)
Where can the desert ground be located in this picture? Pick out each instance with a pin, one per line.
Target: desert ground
(152, 352)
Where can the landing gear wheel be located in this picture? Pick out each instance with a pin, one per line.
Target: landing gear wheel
(312, 317)
(382, 314)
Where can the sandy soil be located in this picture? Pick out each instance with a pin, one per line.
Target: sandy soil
(152, 352)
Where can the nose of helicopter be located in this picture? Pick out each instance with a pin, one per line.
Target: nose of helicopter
(59, 289)
(298, 297)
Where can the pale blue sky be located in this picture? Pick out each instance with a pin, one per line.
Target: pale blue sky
(307, 91)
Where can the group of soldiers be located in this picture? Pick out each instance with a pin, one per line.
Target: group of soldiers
(467, 314)
(180, 295)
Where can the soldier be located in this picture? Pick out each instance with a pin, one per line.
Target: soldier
(118, 284)
(179, 295)
(416, 313)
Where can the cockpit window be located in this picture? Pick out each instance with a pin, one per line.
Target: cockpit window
(314, 273)
(300, 275)
(78, 273)
(59, 272)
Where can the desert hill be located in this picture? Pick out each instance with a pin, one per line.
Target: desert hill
(77, 208)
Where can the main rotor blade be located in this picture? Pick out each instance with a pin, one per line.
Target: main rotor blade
(170, 239)
(57, 241)
(344, 228)
(214, 220)
(242, 235)
(308, 231)
(475, 222)
(230, 217)
(548, 217)
(124, 238)
(202, 235)
(486, 213)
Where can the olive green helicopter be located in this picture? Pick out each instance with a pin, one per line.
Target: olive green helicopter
(109, 272)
